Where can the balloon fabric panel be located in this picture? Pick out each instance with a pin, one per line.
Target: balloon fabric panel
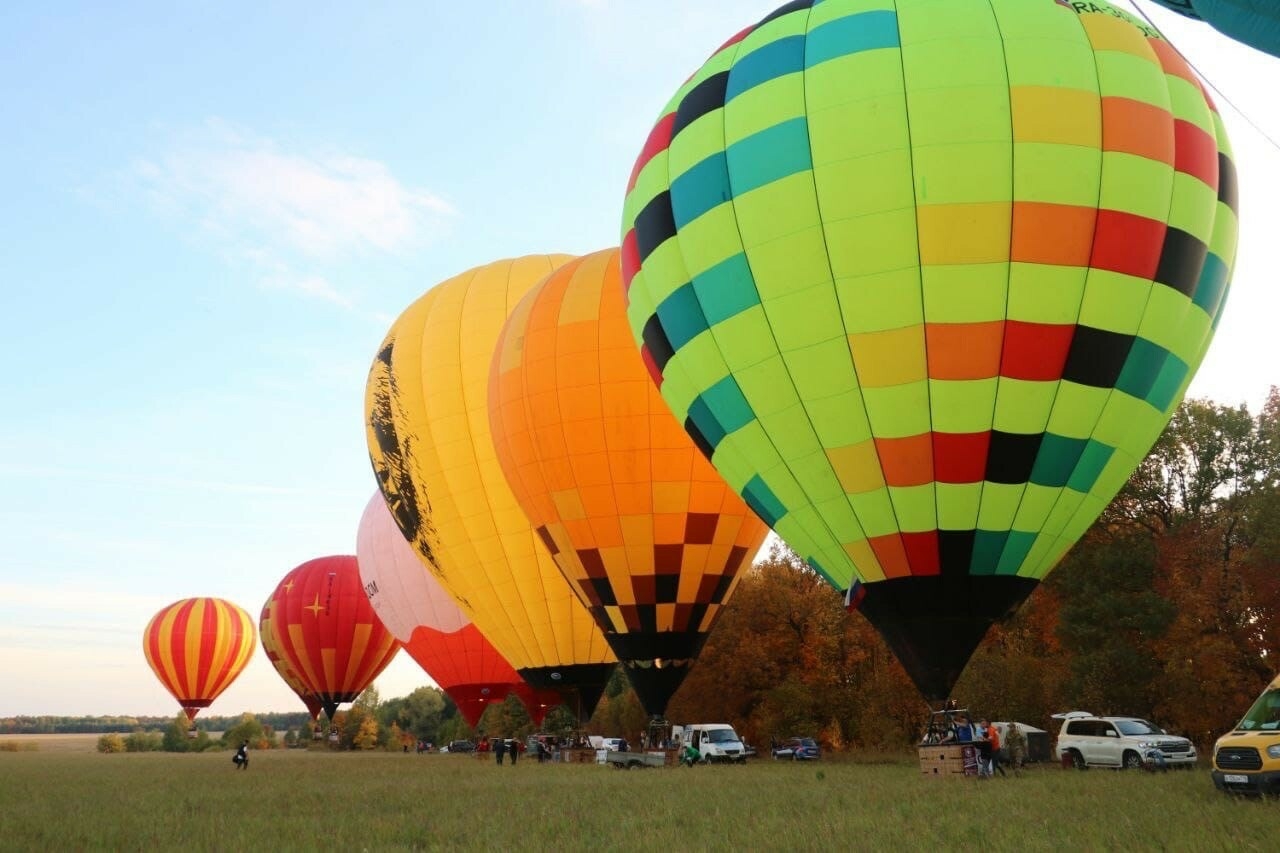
(197, 647)
(926, 280)
(639, 522)
(432, 452)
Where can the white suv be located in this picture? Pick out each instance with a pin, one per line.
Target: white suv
(1119, 742)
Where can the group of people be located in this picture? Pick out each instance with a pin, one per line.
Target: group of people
(993, 751)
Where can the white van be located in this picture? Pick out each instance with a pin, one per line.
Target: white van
(717, 742)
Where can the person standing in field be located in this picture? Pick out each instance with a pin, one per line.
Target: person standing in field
(1015, 747)
(500, 749)
(241, 758)
(514, 748)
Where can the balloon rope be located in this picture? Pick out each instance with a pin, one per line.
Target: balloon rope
(1208, 82)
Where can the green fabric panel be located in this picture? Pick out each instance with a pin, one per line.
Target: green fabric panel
(805, 318)
(744, 339)
(1037, 502)
(1186, 102)
(925, 22)
(1040, 293)
(958, 114)
(860, 186)
(651, 182)
(763, 107)
(840, 519)
(867, 76)
(1135, 185)
(678, 390)
(1065, 62)
(962, 405)
(1023, 406)
(871, 127)
(1124, 75)
(767, 385)
(881, 301)
(778, 210)
(915, 506)
(639, 306)
(709, 240)
(969, 293)
(694, 144)
(1121, 416)
(1164, 392)
(1162, 322)
(958, 505)
(869, 245)
(840, 420)
(813, 472)
(1058, 174)
(1076, 409)
(789, 264)
(899, 411)
(701, 361)
(875, 513)
(791, 432)
(1041, 550)
(785, 487)
(1114, 301)
(822, 370)
(1195, 204)
(753, 447)
(1061, 513)
(953, 174)
(735, 467)
(999, 505)
(664, 271)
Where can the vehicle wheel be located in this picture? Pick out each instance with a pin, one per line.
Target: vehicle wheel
(1077, 761)
(1132, 761)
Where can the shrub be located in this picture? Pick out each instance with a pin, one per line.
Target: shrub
(111, 743)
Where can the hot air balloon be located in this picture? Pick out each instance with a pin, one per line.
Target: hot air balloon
(925, 280)
(328, 632)
(431, 449)
(422, 616)
(197, 647)
(1257, 24)
(635, 517)
(271, 645)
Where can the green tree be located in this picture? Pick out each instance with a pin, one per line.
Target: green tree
(1110, 622)
(249, 729)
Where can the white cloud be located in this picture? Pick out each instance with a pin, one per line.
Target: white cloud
(285, 213)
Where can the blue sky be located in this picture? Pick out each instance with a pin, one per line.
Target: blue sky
(212, 212)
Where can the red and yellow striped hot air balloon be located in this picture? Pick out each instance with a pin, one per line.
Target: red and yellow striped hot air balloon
(271, 645)
(328, 631)
(197, 647)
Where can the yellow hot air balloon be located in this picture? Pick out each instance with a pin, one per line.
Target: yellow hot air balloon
(197, 647)
(427, 421)
(633, 514)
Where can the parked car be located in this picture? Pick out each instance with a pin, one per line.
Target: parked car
(1129, 742)
(797, 749)
(459, 746)
(1246, 760)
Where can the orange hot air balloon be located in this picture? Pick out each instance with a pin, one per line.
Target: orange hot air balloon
(434, 631)
(637, 519)
(271, 645)
(197, 647)
(328, 631)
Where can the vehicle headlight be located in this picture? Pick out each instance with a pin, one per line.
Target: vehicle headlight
(1146, 744)
(1273, 751)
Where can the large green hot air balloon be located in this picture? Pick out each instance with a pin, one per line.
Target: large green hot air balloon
(925, 280)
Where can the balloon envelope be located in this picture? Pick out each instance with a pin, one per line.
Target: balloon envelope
(635, 517)
(328, 632)
(925, 280)
(1254, 22)
(197, 647)
(431, 449)
(417, 610)
(271, 645)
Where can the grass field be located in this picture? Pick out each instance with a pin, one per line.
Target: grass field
(378, 801)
